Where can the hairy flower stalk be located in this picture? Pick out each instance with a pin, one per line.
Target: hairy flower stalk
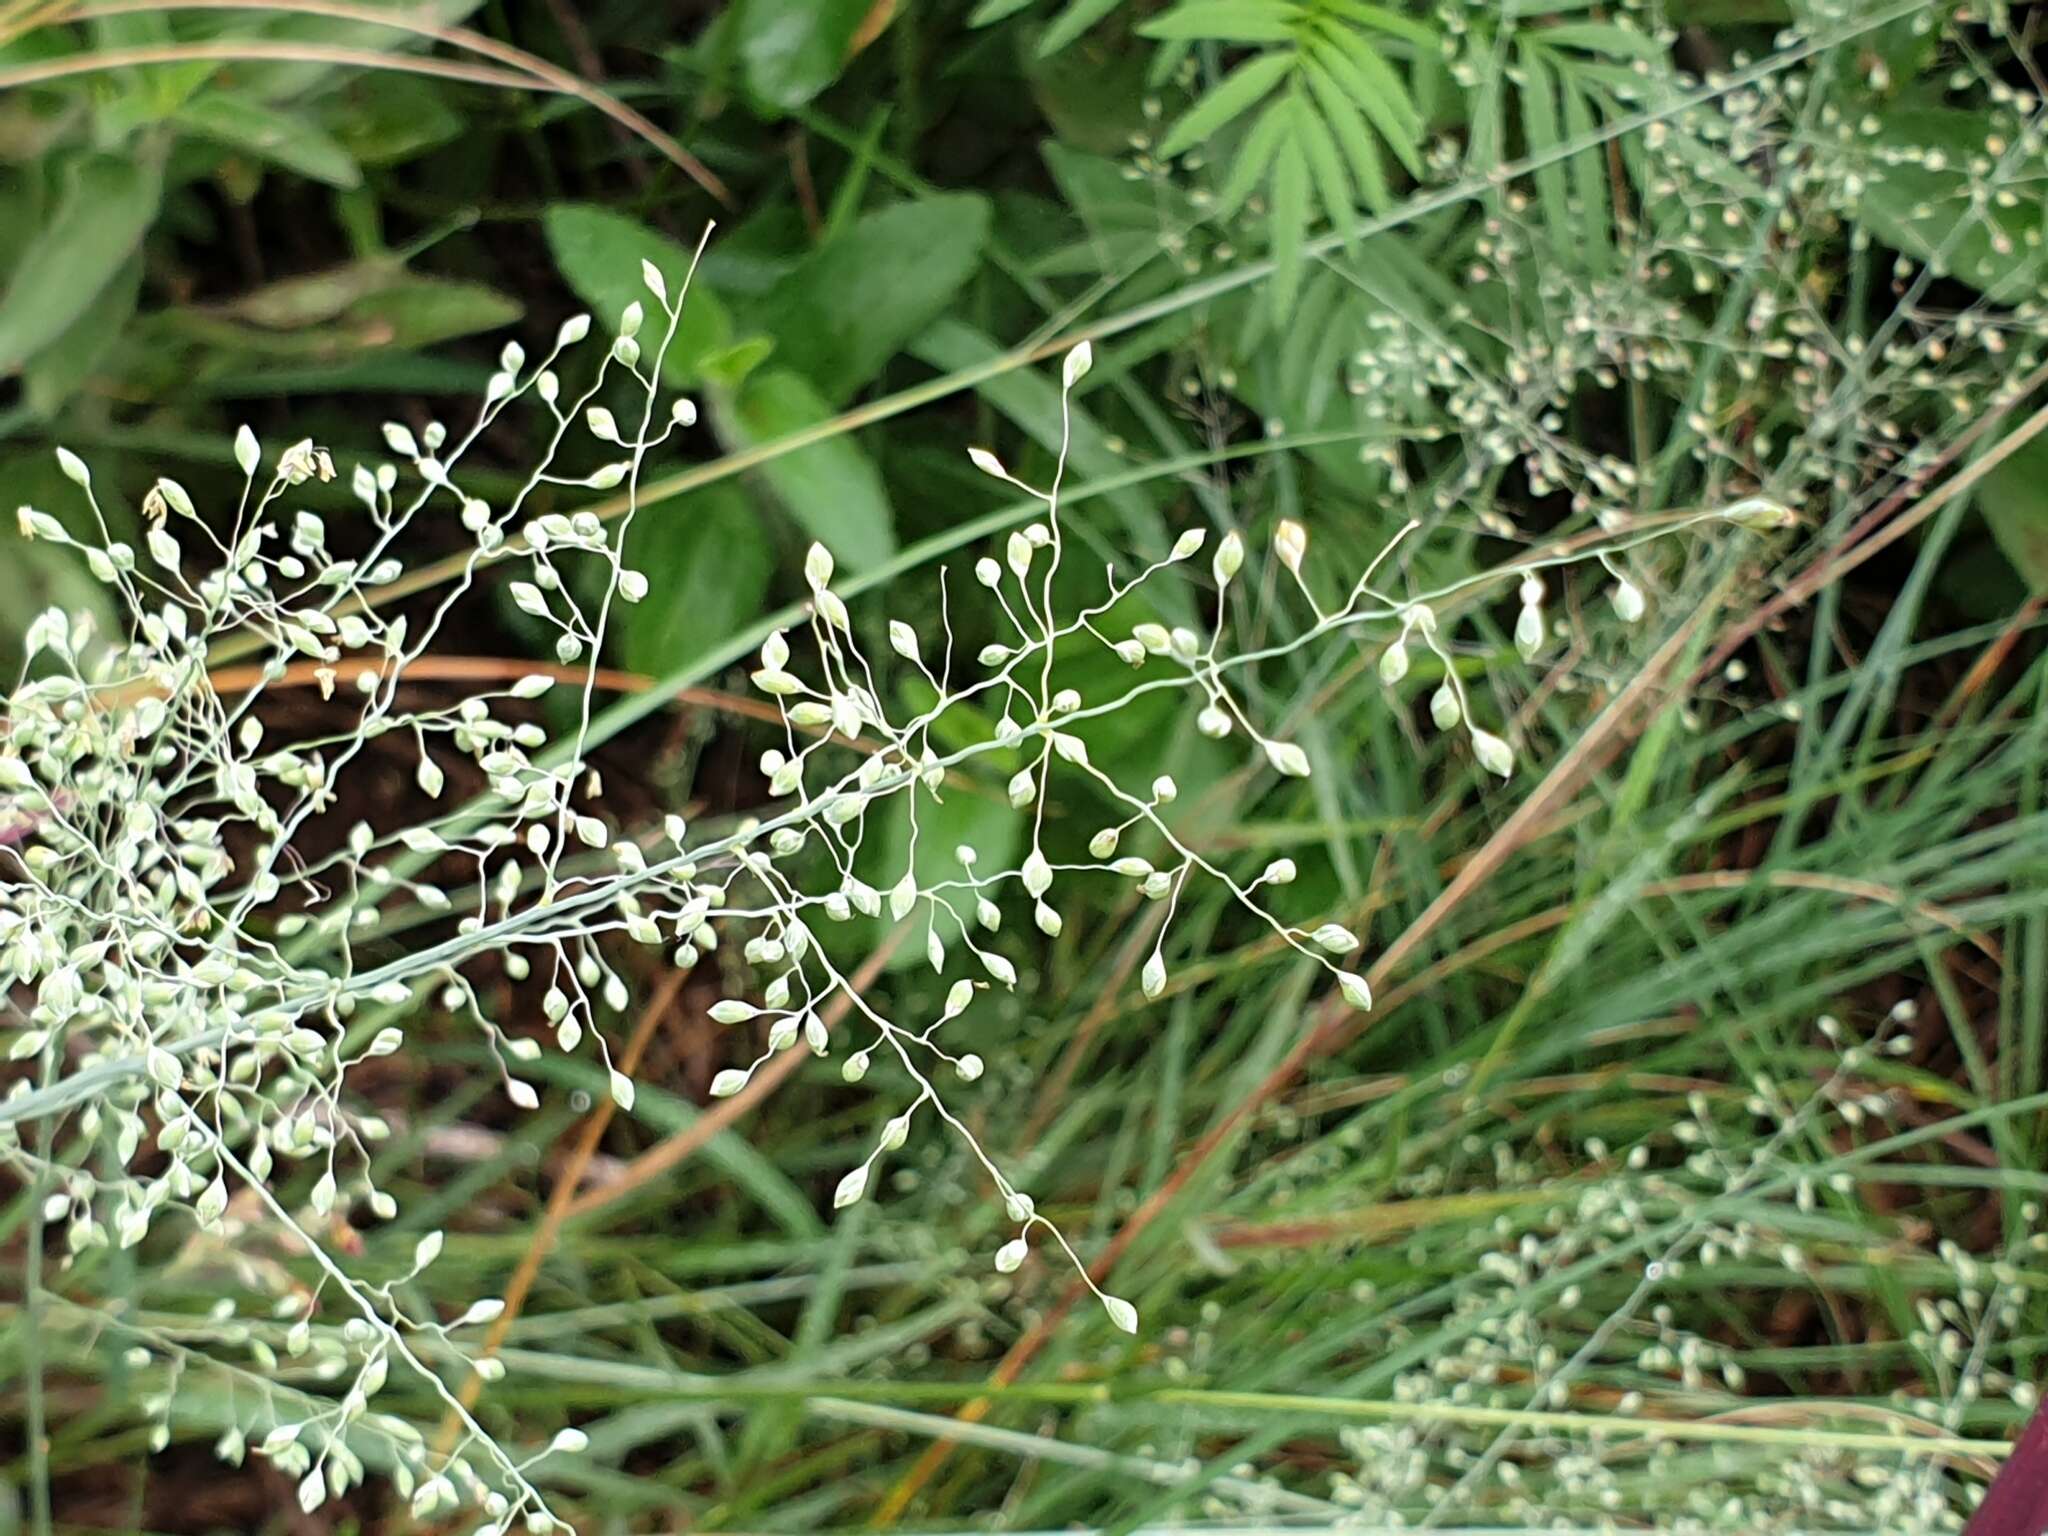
(188, 968)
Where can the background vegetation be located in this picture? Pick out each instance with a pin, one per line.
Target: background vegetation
(1601, 1219)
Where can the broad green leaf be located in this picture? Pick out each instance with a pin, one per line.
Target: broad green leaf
(382, 117)
(1240, 90)
(2014, 497)
(792, 49)
(1226, 21)
(600, 253)
(313, 297)
(857, 300)
(104, 213)
(961, 816)
(990, 12)
(270, 133)
(373, 306)
(1093, 98)
(708, 561)
(729, 366)
(422, 311)
(831, 488)
(1030, 398)
(1929, 213)
(1123, 217)
(55, 375)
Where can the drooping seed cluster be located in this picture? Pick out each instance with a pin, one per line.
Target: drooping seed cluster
(194, 981)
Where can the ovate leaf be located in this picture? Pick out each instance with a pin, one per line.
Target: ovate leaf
(707, 559)
(2014, 497)
(860, 298)
(270, 133)
(792, 49)
(964, 818)
(600, 253)
(101, 219)
(55, 374)
(382, 117)
(1919, 200)
(832, 487)
(421, 311)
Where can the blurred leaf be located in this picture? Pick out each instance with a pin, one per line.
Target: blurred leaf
(1325, 165)
(749, 258)
(293, 302)
(600, 253)
(1076, 19)
(1373, 84)
(368, 306)
(42, 575)
(1311, 142)
(56, 375)
(1929, 211)
(858, 300)
(383, 117)
(1540, 135)
(959, 816)
(728, 367)
(2014, 497)
(1240, 90)
(831, 488)
(708, 560)
(270, 133)
(1289, 223)
(293, 81)
(792, 49)
(420, 311)
(405, 373)
(104, 213)
(1226, 21)
(1124, 218)
(1093, 97)
(1347, 126)
(1031, 400)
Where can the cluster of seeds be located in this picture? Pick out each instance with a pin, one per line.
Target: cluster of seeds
(191, 981)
